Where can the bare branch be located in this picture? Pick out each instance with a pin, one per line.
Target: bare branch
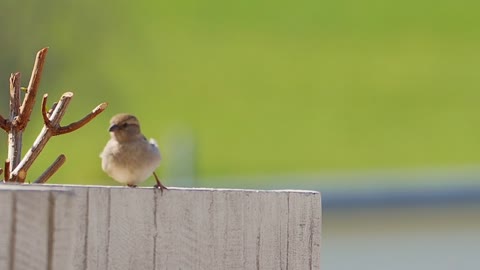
(45, 113)
(20, 113)
(15, 133)
(54, 105)
(51, 170)
(4, 124)
(7, 170)
(29, 100)
(51, 128)
(15, 94)
(80, 123)
(43, 137)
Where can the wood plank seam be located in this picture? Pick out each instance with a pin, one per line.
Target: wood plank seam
(87, 217)
(109, 208)
(310, 238)
(155, 233)
(13, 231)
(258, 245)
(212, 229)
(51, 229)
(288, 230)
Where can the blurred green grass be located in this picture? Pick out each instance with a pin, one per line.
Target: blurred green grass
(267, 87)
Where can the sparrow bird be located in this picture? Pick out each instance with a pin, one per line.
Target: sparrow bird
(129, 157)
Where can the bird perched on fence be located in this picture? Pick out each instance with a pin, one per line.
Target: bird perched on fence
(129, 157)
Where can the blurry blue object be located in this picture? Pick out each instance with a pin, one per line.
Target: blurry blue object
(405, 197)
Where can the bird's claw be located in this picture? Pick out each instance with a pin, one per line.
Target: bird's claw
(161, 187)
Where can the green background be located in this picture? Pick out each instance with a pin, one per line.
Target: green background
(263, 87)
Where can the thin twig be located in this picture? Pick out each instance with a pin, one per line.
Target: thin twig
(15, 134)
(52, 128)
(43, 137)
(45, 115)
(51, 170)
(1, 171)
(49, 113)
(80, 123)
(29, 100)
(7, 170)
(4, 124)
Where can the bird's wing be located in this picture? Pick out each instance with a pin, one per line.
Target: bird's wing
(154, 144)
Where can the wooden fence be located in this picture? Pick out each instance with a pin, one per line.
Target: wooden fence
(92, 227)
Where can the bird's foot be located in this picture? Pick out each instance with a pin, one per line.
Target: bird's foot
(159, 184)
(132, 186)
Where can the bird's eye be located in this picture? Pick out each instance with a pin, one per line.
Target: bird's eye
(124, 125)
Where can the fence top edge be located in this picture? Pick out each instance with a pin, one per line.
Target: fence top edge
(43, 187)
(33, 187)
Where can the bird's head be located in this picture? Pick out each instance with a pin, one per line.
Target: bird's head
(124, 127)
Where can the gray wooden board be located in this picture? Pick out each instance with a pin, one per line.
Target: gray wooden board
(7, 205)
(143, 228)
(118, 228)
(35, 229)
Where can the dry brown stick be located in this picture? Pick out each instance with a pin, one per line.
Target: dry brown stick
(15, 134)
(80, 123)
(45, 134)
(7, 170)
(45, 115)
(51, 128)
(4, 124)
(29, 100)
(51, 170)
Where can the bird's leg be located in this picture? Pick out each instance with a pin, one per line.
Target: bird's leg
(159, 184)
(131, 185)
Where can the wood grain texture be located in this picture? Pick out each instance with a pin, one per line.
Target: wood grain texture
(98, 228)
(118, 228)
(36, 232)
(80, 230)
(131, 230)
(143, 228)
(61, 231)
(304, 226)
(32, 230)
(7, 206)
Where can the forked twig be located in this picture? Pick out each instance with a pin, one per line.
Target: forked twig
(52, 128)
(51, 170)
(29, 100)
(15, 133)
(16, 169)
(59, 130)
(80, 123)
(45, 113)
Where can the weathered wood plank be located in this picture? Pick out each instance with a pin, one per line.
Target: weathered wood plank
(80, 230)
(142, 228)
(37, 231)
(303, 231)
(7, 206)
(131, 229)
(273, 239)
(240, 229)
(32, 231)
(98, 228)
(61, 231)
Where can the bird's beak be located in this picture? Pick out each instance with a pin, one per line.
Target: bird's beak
(113, 128)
